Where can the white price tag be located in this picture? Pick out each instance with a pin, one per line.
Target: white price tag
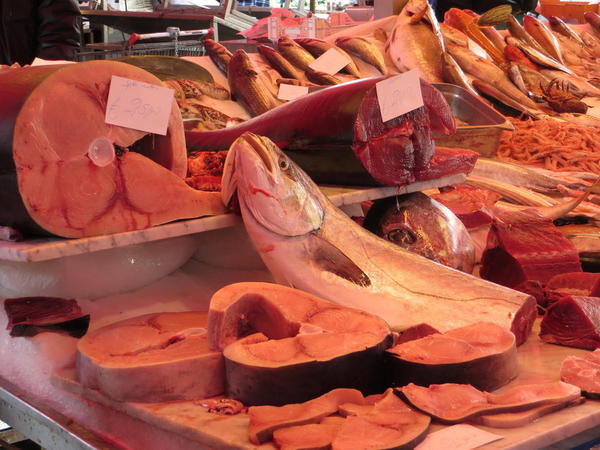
(291, 91)
(457, 437)
(399, 95)
(137, 105)
(330, 62)
(477, 49)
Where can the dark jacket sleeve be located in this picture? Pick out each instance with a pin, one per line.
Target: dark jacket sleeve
(59, 29)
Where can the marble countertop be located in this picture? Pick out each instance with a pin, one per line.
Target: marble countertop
(44, 249)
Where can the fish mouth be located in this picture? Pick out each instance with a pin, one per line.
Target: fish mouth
(258, 145)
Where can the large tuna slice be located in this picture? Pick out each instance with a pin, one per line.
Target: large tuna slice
(151, 358)
(576, 283)
(49, 118)
(573, 321)
(298, 346)
(454, 403)
(583, 372)
(483, 355)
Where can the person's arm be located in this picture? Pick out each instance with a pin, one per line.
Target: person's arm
(58, 29)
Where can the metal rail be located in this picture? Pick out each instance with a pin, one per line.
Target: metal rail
(43, 425)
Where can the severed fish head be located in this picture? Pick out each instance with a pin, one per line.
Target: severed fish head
(271, 187)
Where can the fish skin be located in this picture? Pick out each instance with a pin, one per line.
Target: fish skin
(579, 82)
(294, 82)
(381, 35)
(517, 31)
(489, 89)
(415, 45)
(538, 57)
(364, 50)
(279, 63)
(219, 55)
(245, 84)
(292, 225)
(453, 35)
(488, 71)
(593, 18)
(495, 37)
(517, 194)
(544, 37)
(321, 78)
(317, 47)
(294, 53)
(424, 226)
(592, 43)
(515, 75)
(559, 25)
(574, 53)
(534, 79)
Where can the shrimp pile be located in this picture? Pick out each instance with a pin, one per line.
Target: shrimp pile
(553, 145)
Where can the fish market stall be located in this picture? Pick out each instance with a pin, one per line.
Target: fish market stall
(374, 240)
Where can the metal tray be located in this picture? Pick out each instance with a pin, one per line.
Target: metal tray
(485, 125)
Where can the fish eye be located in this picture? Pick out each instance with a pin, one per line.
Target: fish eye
(284, 164)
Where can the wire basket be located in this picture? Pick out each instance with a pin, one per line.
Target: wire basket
(176, 48)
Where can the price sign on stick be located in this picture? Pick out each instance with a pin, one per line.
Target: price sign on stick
(137, 105)
(330, 62)
(399, 95)
(290, 91)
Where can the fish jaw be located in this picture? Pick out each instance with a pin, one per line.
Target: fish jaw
(270, 187)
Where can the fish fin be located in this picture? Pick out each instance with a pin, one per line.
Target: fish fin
(558, 211)
(331, 259)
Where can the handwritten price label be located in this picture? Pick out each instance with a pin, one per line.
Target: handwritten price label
(399, 95)
(290, 91)
(137, 105)
(330, 62)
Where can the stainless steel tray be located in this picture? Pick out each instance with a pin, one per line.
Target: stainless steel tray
(484, 124)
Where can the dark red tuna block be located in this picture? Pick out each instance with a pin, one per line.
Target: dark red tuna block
(470, 204)
(523, 246)
(576, 283)
(573, 321)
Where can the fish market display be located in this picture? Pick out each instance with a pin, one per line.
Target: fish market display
(317, 47)
(559, 146)
(421, 225)
(454, 403)
(583, 372)
(28, 316)
(283, 345)
(152, 358)
(309, 244)
(543, 36)
(219, 55)
(264, 420)
(364, 50)
(54, 186)
(483, 355)
(522, 246)
(573, 321)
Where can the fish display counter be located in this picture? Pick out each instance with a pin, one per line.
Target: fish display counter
(374, 240)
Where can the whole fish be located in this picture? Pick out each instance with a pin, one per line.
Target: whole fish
(317, 47)
(246, 85)
(279, 63)
(414, 45)
(544, 37)
(538, 57)
(488, 72)
(424, 226)
(518, 32)
(294, 53)
(467, 23)
(490, 90)
(580, 83)
(219, 55)
(518, 175)
(307, 243)
(517, 194)
(321, 78)
(592, 43)
(593, 18)
(452, 73)
(559, 25)
(515, 54)
(517, 78)
(574, 53)
(453, 35)
(364, 50)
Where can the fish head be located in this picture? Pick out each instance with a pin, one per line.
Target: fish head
(278, 194)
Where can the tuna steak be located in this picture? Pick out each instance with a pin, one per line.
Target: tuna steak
(152, 358)
(573, 321)
(576, 283)
(49, 118)
(583, 372)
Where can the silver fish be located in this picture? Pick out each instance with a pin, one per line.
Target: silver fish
(308, 243)
(516, 194)
(537, 56)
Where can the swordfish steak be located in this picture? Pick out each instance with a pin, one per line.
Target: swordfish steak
(307, 243)
(50, 117)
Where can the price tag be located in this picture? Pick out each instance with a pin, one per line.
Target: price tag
(477, 49)
(290, 91)
(330, 62)
(399, 95)
(137, 105)
(457, 437)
